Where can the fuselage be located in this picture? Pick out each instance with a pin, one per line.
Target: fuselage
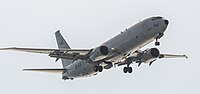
(122, 45)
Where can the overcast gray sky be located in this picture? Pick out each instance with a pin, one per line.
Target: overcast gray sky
(86, 24)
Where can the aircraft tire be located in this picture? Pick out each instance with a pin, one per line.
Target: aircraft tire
(130, 69)
(157, 43)
(100, 68)
(95, 68)
(125, 69)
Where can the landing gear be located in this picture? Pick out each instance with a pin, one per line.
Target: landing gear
(128, 69)
(139, 62)
(157, 43)
(125, 69)
(98, 68)
(158, 37)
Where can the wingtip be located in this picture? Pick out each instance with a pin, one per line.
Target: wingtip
(185, 56)
(25, 69)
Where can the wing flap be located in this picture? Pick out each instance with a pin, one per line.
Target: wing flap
(55, 71)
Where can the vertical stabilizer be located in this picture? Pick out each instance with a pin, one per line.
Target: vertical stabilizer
(62, 44)
(61, 41)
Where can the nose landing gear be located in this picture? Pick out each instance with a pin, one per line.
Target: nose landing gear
(158, 37)
(157, 43)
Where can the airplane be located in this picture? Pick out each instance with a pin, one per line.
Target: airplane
(123, 49)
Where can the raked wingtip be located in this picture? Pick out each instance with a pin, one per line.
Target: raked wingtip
(185, 56)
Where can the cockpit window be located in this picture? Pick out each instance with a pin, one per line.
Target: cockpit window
(156, 18)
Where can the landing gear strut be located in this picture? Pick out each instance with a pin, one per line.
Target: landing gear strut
(98, 68)
(158, 37)
(128, 69)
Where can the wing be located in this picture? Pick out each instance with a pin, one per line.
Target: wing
(47, 51)
(55, 71)
(32, 50)
(57, 53)
(137, 56)
(172, 56)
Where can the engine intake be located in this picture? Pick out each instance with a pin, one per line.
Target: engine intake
(150, 55)
(104, 50)
(99, 53)
(154, 52)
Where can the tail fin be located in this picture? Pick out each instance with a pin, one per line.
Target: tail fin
(62, 44)
(61, 41)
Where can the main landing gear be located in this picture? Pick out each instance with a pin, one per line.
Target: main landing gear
(98, 68)
(128, 69)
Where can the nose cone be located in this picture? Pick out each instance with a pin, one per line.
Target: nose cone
(166, 22)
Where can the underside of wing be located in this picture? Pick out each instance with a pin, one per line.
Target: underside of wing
(31, 50)
(55, 71)
(172, 56)
(47, 51)
(56, 53)
(143, 56)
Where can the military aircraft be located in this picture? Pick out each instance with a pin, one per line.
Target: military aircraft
(123, 49)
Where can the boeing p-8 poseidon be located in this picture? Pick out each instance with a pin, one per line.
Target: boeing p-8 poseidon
(123, 49)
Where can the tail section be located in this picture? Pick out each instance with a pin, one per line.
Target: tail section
(62, 44)
(61, 41)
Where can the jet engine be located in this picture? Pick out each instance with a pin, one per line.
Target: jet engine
(149, 55)
(99, 53)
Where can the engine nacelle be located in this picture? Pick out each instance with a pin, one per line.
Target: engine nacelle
(150, 55)
(99, 53)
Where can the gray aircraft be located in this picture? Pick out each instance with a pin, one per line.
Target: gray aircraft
(123, 49)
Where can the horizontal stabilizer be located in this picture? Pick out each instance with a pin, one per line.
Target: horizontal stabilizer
(56, 71)
(172, 56)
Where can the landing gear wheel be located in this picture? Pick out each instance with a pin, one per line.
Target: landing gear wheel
(157, 43)
(95, 68)
(130, 70)
(100, 68)
(125, 69)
